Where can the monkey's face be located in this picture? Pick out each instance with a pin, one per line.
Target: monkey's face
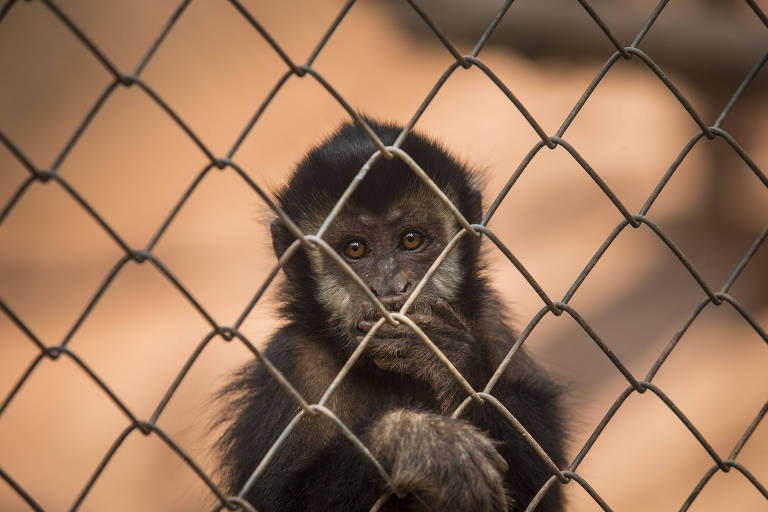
(391, 251)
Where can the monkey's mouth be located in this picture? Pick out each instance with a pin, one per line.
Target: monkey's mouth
(370, 315)
(385, 332)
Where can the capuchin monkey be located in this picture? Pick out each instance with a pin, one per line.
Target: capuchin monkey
(398, 397)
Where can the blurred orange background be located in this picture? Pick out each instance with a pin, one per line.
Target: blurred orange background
(133, 163)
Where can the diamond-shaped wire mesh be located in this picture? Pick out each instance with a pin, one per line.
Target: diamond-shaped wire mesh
(127, 78)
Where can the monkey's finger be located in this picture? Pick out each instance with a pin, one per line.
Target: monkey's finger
(385, 330)
(500, 462)
(420, 318)
(446, 312)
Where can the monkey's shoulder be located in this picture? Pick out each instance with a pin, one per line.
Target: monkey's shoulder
(309, 361)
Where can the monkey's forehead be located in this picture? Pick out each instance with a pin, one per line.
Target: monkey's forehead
(381, 190)
(410, 208)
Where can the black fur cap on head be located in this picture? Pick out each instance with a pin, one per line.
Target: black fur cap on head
(327, 170)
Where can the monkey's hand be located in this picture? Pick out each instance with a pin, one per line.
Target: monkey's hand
(400, 349)
(444, 463)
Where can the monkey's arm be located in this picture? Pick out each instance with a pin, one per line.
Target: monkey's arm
(523, 390)
(532, 399)
(315, 468)
(444, 463)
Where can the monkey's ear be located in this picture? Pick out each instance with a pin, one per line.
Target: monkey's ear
(281, 237)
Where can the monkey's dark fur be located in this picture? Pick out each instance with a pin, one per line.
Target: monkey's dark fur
(398, 396)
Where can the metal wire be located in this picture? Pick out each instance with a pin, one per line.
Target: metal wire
(316, 242)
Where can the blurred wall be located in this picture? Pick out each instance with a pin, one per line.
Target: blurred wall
(132, 164)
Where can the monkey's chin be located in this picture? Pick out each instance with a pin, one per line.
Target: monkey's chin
(387, 353)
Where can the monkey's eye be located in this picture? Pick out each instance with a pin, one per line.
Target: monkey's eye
(411, 240)
(355, 249)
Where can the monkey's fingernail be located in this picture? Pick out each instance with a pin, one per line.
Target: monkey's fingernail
(421, 319)
(366, 325)
(442, 305)
(501, 464)
(443, 308)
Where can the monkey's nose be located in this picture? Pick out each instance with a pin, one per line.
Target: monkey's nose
(395, 287)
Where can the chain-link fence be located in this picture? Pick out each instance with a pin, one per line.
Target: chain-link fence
(714, 295)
